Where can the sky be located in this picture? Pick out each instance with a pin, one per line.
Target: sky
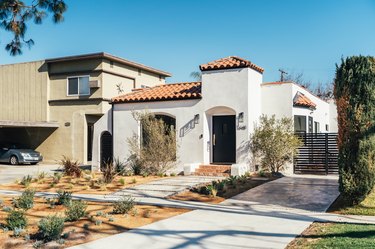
(176, 36)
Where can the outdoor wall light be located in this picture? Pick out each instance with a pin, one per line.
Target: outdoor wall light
(240, 117)
(196, 119)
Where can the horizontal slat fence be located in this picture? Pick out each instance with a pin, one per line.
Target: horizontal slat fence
(318, 155)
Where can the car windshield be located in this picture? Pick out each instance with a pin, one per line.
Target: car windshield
(13, 146)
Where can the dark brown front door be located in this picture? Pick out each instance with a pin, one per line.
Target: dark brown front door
(224, 139)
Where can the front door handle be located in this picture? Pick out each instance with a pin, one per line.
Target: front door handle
(213, 139)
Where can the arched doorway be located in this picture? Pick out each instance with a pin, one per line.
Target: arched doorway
(106, 151)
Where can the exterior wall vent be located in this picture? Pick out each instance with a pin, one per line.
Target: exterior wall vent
(95, 84)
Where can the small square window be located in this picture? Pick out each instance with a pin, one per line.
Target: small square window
(78, 86)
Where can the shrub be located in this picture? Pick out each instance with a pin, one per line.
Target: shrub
(26, 180)
(109, 172)
(158, 149)
(354, 92)
(42, 175)
(26, 200)
(212, 189)
(16, 219)
(56, 177)
(76, 210)
(274, 141)
(123, 205)
(71, 168)
(122, 181)
(51, 227)
(64, 197)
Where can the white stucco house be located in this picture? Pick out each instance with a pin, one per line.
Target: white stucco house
(213, 118)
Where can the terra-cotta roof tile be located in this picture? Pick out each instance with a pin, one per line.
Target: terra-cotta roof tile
(229, 62)
(302, 100)
(177, 91)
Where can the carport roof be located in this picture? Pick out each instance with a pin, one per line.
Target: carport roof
(19, 124)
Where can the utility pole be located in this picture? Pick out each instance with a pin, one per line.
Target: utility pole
(282, 73)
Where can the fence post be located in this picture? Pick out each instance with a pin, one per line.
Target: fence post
(326, 159)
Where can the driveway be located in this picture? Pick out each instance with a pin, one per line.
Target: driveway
(9, 173)
(268, 216)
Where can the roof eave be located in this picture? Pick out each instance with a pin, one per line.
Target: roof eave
(153, 100)
(103, 55)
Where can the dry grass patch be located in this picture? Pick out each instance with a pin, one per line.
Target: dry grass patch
(87, 184)
(99, 223)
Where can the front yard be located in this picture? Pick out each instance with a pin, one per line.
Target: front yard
(335, 235)
(340, 235)
(366, 207)
(99, 221)
(218, 191)
(89, 183)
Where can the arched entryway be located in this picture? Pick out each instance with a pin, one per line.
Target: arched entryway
(106, 150)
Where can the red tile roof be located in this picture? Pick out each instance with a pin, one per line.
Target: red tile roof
(230, 62)
(177, 91)
(301, 100)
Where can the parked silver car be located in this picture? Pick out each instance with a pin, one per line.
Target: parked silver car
(16, 154)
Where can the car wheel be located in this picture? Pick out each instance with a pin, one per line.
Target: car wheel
(13, 160)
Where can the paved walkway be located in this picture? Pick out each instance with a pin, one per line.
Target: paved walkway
(165, 187)
(9, 173)
(268, 216)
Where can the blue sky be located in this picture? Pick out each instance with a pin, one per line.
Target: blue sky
(306, 37)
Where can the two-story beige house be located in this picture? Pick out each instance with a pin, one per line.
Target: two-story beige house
(51, 105)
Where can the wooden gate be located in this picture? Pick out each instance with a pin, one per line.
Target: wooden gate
(318, 155)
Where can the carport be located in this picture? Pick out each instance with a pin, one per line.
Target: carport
(29, 134)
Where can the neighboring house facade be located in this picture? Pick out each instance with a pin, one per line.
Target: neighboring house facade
(213, 118)
(52, 105)
(309, 112)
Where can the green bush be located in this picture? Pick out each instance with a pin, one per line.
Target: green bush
(76, 210)
(26, 180)
(16, 219)
(70, 167)
(274, 142)
(354, 93)
(51, 227)
(123, 205)
(64, 197)
(26, 200)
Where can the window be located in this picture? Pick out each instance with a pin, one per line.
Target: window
(311, 122)
(299, 123)
(78, 86)
(327, 127)
(316, 127)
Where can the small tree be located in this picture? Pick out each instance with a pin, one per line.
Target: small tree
(354, 92)
(274, 142)
(156, 149)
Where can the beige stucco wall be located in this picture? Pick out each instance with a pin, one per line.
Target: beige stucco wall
(33, 91)
(70, 139)
(141, 77)
(24, 92)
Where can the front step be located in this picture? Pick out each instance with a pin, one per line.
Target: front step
(213, 170)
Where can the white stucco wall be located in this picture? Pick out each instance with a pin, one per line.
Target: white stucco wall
(100, 126)
(230, 92)
(333, 116)
(277, 100)
(320, 113)
(189, 137)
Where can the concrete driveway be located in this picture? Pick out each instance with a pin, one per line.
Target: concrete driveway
(268, 216)
(9, 173)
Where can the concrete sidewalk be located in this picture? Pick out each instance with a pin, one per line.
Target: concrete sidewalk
(268, 216)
